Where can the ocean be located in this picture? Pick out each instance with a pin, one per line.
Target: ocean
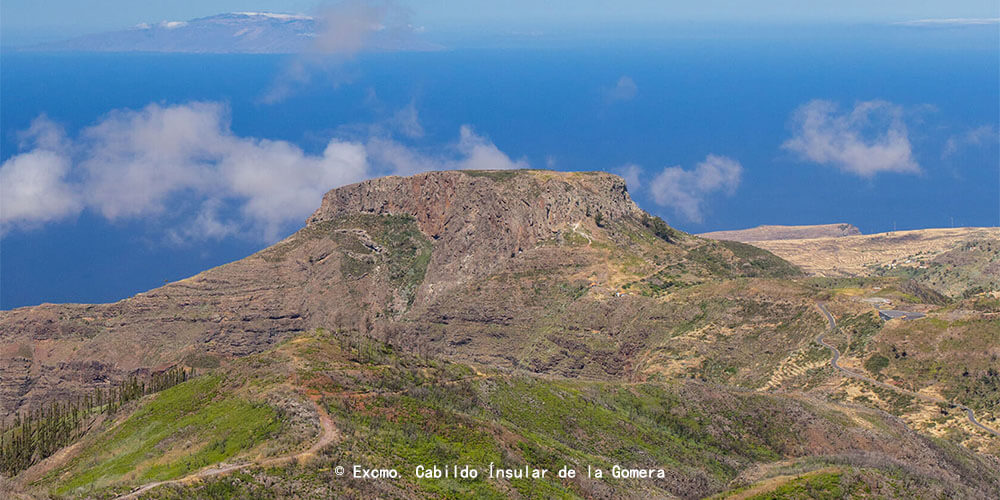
(554, 107)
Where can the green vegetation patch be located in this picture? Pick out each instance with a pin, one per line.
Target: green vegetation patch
(182, 429)
(757, 262)
(658, 227)
(818, 486)
(862, 329)
(876, 363)
(400, 245)
(956, 273)
(730, 259)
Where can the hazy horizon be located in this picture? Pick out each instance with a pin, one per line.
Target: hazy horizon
(158, 165)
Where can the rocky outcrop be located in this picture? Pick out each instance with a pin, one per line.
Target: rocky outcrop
(478, 219)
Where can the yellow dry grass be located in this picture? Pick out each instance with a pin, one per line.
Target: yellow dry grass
(851, 255)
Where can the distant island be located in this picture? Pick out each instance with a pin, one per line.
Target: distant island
(230, 33)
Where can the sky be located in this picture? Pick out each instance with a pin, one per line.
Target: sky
(119, 171)
(28, 21)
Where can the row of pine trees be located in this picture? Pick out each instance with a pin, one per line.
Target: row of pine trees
(30, 437)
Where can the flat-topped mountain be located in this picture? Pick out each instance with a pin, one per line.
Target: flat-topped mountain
(766, 233)
(454, 261)
(519, 318)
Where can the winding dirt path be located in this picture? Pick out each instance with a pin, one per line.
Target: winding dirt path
(850, 373)
(329, 434)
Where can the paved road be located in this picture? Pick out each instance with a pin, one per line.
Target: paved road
(859, 376)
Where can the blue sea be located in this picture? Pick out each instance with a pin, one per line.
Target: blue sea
(730, 96)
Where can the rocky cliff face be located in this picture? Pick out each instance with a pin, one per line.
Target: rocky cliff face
(479, 219)
(372, 252)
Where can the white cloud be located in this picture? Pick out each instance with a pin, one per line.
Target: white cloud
(979, 136)
(33, 185)
(869, 139)
(631, 173)
(33, 189)
(407, 122)
(343, 30)
(481, 154)
(394, 158)
(951, 22)
(153, 161)
(624, 90)
(685, 190)
(208, 224)
(133, 160)
(131, 164)
(470, 152)
(275, 15)
(344, 27)
(281, 184)
(42, 134)
(173, 24)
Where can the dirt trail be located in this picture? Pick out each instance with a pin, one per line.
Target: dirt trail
(329, 434)
(576, 229)
(851, 373)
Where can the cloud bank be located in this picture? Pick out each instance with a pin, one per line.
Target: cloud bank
(951, 22)
(867, 140)
(145, 163)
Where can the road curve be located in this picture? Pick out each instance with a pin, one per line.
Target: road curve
(853, 374)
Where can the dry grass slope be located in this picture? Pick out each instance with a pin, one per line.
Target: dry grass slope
(855, 255)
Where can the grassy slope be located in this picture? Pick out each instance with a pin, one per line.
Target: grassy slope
(837, 482)
(855, 255)
(971, 267)
(948, 354)
(171, 434)
(397, 410)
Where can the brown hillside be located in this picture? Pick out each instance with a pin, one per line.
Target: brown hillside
(767, 233)
(856, 255)
(470, 264)
(516, 317)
